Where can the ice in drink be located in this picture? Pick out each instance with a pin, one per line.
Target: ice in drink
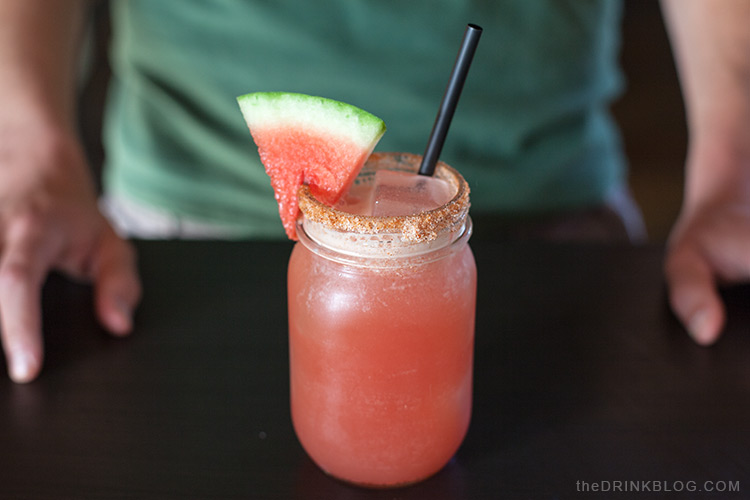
(395, 193)
(403, 193)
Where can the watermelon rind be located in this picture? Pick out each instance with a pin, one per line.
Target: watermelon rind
(269, 109)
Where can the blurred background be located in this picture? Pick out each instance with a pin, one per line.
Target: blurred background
(652, 117)
(650, 112)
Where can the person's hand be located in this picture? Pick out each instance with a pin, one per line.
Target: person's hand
(710, 243)
(49, 220)
(709, 246)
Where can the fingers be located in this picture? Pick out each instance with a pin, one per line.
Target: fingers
(23, 266)
(117, 287)
(29, 252)
(693, 295)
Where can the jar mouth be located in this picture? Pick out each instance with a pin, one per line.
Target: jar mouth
(424, 227)
(380, 251)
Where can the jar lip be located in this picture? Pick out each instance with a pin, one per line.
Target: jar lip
(419, 228)
(381, 254)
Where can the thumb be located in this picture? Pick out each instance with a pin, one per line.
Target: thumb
(117, 287)
(694, 296)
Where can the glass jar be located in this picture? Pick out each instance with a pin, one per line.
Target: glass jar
(381, 334)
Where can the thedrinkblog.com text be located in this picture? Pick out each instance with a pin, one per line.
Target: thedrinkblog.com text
(618, 486)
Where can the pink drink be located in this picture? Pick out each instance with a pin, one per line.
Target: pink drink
(381, 322)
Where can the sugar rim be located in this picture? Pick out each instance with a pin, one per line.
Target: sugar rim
(419, 228)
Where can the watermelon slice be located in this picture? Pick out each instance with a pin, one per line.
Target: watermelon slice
(312, 140)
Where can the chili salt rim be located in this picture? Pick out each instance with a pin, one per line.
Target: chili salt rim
(423, 227)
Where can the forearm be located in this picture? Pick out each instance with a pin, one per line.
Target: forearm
(39, 42)
(711, 42)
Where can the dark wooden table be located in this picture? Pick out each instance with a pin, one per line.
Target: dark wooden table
(583, 378)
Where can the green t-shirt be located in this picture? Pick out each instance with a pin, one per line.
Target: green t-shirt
(531, 133)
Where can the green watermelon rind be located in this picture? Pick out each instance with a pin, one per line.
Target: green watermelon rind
(267, 110)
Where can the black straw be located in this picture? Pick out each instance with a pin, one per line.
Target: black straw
(450, 99)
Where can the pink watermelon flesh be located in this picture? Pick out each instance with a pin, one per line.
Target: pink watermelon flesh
(293, 157)
(309, 140)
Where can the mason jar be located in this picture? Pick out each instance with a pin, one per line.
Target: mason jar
(381, 334)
